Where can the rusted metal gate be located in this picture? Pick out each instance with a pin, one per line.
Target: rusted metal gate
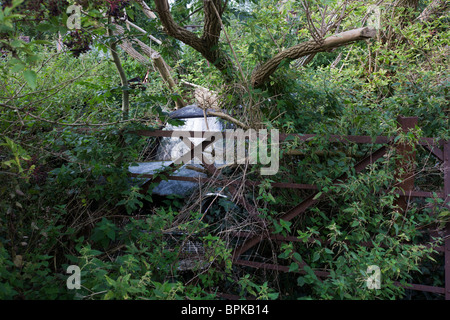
(440, 149)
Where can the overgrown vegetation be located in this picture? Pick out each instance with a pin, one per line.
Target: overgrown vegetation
(65, 148)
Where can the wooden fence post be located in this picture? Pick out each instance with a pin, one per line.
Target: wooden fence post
(447, 227)
(407, 162)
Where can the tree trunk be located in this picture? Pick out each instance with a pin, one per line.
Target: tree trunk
(208, 44)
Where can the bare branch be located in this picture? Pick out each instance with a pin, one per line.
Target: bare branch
(143, 31)
(161, 65)
(123, 77)
(69, 124)
(435, 8)
(146, 9)
(227, 117)
(262, 74)
(128, 48)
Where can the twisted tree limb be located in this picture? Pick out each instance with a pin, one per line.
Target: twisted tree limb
(262, 73)
(208, 44)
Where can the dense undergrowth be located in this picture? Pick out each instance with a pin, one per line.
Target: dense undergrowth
(66, 197)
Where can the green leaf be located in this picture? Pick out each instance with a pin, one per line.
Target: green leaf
(278, 228)
(16, 3)
(317, 196)
(109, 295)
(316, 256)
(309, 271)
(44, 27)
(297, 256)
(110, 281)
(17, 43)
(293, 267)
(44, 42)
(300, 281)
(30, 77)
(286, 225)
(17, 67)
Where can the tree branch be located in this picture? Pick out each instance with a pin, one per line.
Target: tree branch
(207, 45)
(229, 118)
(163, 69)
(123, 77)
(155, 57)
(436, 7)
(143, 31)
(69, 124)
(212, 25)
(262, 73)
(148, 13)
(173, 29)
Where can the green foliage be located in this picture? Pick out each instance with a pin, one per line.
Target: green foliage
(19, 155)
(145, 267)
